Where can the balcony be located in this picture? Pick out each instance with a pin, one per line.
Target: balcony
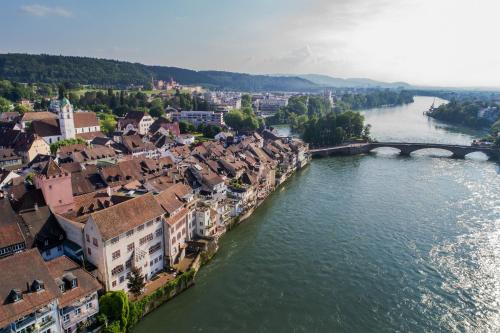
(29, 320)
(82, 316)
(47, 323)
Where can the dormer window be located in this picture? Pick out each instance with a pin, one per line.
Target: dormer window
(70, 281)
(37, 285)
(60, 285)
(15, 295)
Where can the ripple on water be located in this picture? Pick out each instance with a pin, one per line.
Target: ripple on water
(470, 262)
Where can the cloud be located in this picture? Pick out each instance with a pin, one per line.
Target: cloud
(40, 11)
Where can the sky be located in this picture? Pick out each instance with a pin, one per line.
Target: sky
(422, 42)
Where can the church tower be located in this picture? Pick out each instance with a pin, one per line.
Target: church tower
(66, 119)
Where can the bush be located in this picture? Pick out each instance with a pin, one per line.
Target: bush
(114, 305)
(55, 146)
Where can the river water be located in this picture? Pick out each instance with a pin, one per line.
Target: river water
(376, 243)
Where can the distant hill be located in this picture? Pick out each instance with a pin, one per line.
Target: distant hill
(328, 81)
(91, 71)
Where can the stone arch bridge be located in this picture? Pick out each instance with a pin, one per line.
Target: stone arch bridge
(405, 149)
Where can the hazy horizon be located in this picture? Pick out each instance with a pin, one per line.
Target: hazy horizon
(430, 43)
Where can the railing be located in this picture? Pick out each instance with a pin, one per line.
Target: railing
(25, 322)
(83, 315)
(47, 323)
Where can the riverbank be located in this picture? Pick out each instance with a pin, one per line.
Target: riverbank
(164, 289)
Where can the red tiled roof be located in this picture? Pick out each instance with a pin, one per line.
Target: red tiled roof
(85, 119)
(86, 283)
(125, 216)
(18, 270)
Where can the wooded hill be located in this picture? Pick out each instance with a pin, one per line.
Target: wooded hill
(29, 68)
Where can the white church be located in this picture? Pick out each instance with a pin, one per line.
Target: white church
(67, 124)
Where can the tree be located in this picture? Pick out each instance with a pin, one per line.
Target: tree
(107, 123)
(186, 127)
(156, 111)
(21, 108)
(5, 105)
(246, 101)
(135, 282)
(61, 91)
(114, 306)
(55, 146)
(234, 119)
(211, 131)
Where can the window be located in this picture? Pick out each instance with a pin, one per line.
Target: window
(94, 241)
(117, 270)
(88, 251)
(150, 223)
(78, 311)
(115, 240)
(89, 305)
(130, 247)
(155, 248)
(140, 228)
(130, 233)
(122, 279)
(146, 239)
(113, 283)
(116, 254)
(158, 232)
(159, 258)
(66, 317)
(151, 263)
(128, 263)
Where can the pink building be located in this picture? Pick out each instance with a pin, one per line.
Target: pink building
(56, 188)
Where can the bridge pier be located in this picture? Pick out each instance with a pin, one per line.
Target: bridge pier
(405, 151)
(458, 155)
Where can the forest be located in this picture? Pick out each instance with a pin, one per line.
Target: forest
(44, 68)
(462, 112)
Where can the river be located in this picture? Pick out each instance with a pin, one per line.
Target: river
(376, 243)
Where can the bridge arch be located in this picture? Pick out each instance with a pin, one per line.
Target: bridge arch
(479, 153)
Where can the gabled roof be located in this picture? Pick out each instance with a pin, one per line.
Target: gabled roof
(173, 198)
(10, 233)
(125, 216)
(30, 116)
(18, 270)
(46, 127)
(51, 169)
(85, 119)
(41, 229)
(86, 283)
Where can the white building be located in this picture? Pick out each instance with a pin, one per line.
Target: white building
(179, 223)
(139, 122)
(185, 139)
(66, 120)
(206, 222)
(200, 117)
(78, 302)
(126, 235)
(66, 125)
